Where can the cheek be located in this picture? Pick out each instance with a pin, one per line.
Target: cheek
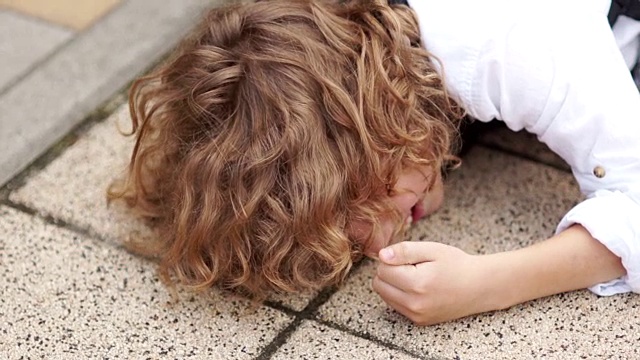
(435, 198)
(359, 231)
(379, 242)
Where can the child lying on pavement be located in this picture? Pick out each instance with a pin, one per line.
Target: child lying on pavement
(286, 139)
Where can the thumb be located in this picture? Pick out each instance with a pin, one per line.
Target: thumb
(411, 252)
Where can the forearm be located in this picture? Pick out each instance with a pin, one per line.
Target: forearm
(568, 261)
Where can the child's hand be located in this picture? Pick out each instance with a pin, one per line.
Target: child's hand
(431, 282)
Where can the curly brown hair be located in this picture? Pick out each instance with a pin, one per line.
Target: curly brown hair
(272, 128)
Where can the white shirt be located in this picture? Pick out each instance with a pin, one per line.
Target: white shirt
(555, 68)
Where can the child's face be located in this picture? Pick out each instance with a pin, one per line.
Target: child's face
(414, 200)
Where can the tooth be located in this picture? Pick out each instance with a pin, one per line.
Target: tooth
(409, 221)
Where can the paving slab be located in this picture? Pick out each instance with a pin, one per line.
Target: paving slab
(73, 188)
(96, 64)
(68, 296)
(495, 203)
(24, 42)
(316, 341)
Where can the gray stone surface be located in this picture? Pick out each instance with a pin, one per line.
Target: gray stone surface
(23, 42)
(73, 188)
(495, 203)
(45, 105)
(315, 341)
(66, 296)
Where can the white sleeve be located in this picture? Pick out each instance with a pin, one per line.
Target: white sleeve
(560, 75)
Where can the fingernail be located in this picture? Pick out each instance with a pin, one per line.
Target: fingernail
(387, 254)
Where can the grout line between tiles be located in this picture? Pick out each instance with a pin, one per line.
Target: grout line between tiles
(50, 219)
(300, 316)
(372, 338)
(280, 339)
(305, 314)
(310, 313)
(65, 225)
(62, 224)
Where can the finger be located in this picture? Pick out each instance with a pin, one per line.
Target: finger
(409, 252)
(407, 278)
(406, 304)
(392, 296)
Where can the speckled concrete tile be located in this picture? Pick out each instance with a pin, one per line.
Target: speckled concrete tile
(66, 296)
(73, 189)
(522, 205)
(316, 341)
(523, 143)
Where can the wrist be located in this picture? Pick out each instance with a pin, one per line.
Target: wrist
(521, 275)
(568, 261)
(497, 284)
